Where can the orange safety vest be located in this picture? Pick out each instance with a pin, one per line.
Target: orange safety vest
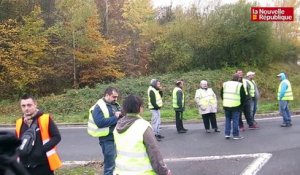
(43, 123)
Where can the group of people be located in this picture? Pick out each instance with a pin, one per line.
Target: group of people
(129, 143)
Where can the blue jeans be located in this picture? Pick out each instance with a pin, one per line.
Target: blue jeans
(234, 116)
(109, 154)
(253, 108)
(285, 112)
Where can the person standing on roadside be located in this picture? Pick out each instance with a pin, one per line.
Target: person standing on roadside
(284, 95)
(179, 106)
(246, 108)
(154, 104)
(43, 158)
(254, 93)
(233, 96)
(137, 148)
(207, 105)
(103, 118)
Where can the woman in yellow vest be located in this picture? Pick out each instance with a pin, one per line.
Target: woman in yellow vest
(43, 159)
(137, 149)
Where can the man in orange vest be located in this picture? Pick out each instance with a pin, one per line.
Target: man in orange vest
(43, 158)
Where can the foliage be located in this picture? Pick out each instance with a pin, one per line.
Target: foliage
(74, 104)
(92, 54)
(22, 47)
(223, 37)
(48, 47)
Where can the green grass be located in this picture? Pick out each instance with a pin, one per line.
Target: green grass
(73, 106)
(79, 170)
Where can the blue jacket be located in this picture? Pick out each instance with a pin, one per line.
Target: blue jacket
(284, 85)
(103, 122)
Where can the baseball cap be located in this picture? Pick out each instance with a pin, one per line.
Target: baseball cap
(250, 73)
(279, 75)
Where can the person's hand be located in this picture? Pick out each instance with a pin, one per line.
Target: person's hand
(169, 172)
(118, 114)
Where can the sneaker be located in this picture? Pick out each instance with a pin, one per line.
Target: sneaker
(159, 136)
(227, 137)
(207, 131)
(253, 127)
(242, 129)
(158, 139)
(217, 130)
(237, 137)
(286, 125)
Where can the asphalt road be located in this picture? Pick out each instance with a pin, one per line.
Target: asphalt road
(270, 150)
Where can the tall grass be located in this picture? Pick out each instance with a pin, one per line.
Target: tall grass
(73, 106)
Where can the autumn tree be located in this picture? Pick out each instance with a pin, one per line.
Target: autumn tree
(92, 55)
(22, 48)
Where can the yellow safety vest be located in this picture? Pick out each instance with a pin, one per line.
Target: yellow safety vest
(207, 97)
(157, 97)
(175, 105)
(231, 94)
(132, 157)
(288, 94)
(43, 123)
(92, 128)
(252, 88)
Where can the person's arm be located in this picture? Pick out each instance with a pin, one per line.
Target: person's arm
(153, 100)
(221, 93)
(54, 134)
(161, 93)
(100, 120)
(243, 95)
(283, 89)
(179, 99)
(154, 154)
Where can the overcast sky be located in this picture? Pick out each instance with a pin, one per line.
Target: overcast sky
(186, 3)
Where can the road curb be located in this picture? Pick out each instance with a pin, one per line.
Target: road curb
(264, 115)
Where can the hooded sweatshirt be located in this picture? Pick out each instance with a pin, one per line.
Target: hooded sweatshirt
(150, 142)
(284, 85)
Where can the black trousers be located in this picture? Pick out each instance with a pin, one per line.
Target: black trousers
(248, 114)
(179, 124)
(210, 119)
(42, 169)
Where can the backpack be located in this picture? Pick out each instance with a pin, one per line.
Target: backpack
(28, 140)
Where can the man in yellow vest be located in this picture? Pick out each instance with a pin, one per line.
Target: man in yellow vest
(254, 93)
(137, 149)
(284, 95)
(246, 107)
(233, 95)
(103, 118)
(43, 158)
(179, 105)
(154, 104)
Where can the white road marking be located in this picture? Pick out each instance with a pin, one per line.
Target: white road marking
(257, 164)
(260, 160)
(69, 163)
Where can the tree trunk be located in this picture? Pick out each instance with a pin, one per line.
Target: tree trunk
(75, 83)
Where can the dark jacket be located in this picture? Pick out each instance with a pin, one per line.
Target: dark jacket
(153, 98)
(180, 103)
(150, 142)
(103, 122)
(38, 154)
